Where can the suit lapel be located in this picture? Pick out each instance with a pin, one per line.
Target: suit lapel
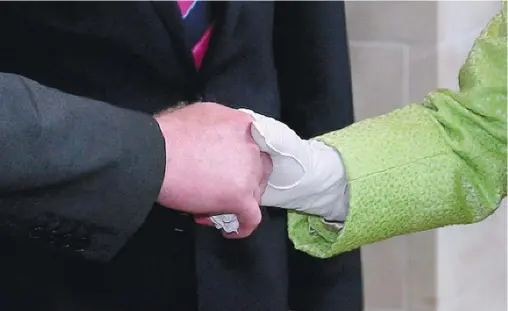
(170, 15)
(225, 39)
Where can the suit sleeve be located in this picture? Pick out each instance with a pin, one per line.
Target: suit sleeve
(77, 176)
(441, 162)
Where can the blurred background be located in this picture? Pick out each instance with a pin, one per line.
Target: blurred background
(401, 50)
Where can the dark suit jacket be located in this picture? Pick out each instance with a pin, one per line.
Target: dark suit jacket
(81, 160)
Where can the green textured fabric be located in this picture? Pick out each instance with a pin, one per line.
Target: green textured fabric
(428, 165)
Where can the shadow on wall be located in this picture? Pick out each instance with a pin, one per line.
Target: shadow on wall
(400, 51)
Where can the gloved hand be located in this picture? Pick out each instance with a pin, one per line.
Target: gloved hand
(307, 175)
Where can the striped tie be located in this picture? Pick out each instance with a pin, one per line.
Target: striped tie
(198, 26)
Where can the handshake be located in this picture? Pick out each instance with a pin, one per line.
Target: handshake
(222, 164)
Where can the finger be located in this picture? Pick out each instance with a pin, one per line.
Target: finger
(266, 162)
(260, 139)
(272, 136)
(264, 176)
(204, 221)
(254, 115)
(259, 129)
(287, 168)
(249, 218)
(287, 150)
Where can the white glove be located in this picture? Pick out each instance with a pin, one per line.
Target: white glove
(307, 175)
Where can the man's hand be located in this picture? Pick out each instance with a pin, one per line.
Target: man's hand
(213, 166)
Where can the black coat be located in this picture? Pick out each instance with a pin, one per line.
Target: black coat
(81, 160)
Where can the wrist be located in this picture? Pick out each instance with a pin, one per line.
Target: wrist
(164, 197)
(330, 180)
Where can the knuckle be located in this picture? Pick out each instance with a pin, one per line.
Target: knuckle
(267, 162)
(244, 117)
(253, 149)
(257, 219)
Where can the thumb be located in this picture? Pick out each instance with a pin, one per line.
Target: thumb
(285, 147)
(272, 136)
(257, 133)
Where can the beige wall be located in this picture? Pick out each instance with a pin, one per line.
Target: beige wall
(401, 50)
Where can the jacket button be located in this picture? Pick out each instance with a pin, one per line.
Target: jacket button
(60, 239)
(80, 244)
(52, 236)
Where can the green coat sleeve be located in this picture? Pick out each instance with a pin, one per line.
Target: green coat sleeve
(428, 165)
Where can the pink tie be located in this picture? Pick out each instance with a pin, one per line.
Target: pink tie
(198, 27)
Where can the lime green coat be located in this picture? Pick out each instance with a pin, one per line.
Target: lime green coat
(428, 165)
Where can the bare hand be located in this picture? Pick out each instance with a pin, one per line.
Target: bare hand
(213, 166)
